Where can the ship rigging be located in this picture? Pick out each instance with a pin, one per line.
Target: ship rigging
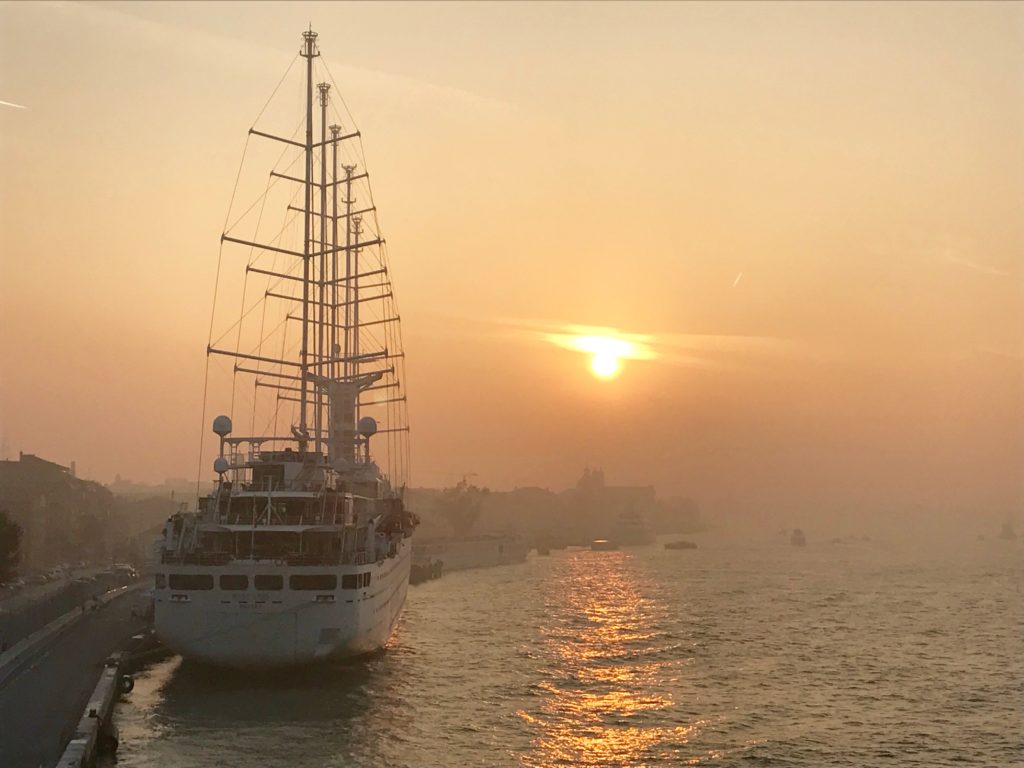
(302, 551)
(334, 289)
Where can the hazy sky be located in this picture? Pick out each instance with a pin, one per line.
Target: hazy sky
(814, 210)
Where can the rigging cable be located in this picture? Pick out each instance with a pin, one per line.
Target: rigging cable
(276, 87)
(274, 181)
(275, 240)
(241, 310)
(213, 314)
(400, 370)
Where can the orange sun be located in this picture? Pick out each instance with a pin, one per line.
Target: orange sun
(605, 365)
(606, 347)
(606, 354)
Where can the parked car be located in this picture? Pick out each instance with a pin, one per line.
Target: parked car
(123, 569)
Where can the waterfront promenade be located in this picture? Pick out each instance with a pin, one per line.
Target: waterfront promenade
(42, 701)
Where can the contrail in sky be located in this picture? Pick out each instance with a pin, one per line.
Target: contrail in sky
(11, 104)
(737, 280)
(983, 268)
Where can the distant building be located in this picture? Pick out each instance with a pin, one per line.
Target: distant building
(591, 510)
(172, 487)
(63, 518)
(29, 463)
(619, 513)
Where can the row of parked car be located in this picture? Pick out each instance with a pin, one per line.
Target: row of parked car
(65, 572)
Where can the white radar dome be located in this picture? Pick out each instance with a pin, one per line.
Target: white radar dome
(220, 465)
(222, 426)
(367, 426)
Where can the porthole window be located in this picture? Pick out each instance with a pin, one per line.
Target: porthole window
(269, 583)
(234, 583)
(190, 581)
(313, 581)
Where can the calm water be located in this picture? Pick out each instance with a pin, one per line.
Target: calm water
(855, 654)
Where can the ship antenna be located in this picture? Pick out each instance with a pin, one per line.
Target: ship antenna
(309, 52)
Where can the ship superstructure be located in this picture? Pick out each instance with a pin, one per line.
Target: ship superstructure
(303, 549)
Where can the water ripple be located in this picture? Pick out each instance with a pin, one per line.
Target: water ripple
(724, 656)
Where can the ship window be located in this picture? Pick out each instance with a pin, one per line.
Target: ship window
(269, 583)
(191, 581)
(366, 579)
(234, 583)
(317, 581)
(160, 581)
(348, 581)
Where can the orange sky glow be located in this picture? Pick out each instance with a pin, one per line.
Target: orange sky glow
(763, 255)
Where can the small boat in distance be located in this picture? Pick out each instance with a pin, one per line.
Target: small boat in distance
(797, 538)
(681, 544)
(603, 545)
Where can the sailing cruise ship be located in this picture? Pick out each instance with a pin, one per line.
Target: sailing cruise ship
(302, 551)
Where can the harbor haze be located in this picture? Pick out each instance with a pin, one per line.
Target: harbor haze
(601, 384)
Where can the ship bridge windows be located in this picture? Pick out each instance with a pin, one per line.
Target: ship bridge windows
(266, 582)
(190, 581)
(313, 581)
(268, 477)
(234, 582)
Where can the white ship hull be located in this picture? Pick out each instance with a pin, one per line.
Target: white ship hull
(285, 627)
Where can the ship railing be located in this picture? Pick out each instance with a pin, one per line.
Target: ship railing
(242, 518)
(294, 559)
(196, 558)
(308, 559)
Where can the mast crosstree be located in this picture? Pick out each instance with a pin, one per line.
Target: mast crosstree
(348, 359)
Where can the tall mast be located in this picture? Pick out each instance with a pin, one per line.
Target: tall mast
(335, 132)
(349, 274)
(309, 52)
(322, 271)
(332, 367)
(357, 224)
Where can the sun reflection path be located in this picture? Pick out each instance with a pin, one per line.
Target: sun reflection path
(605, 700)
